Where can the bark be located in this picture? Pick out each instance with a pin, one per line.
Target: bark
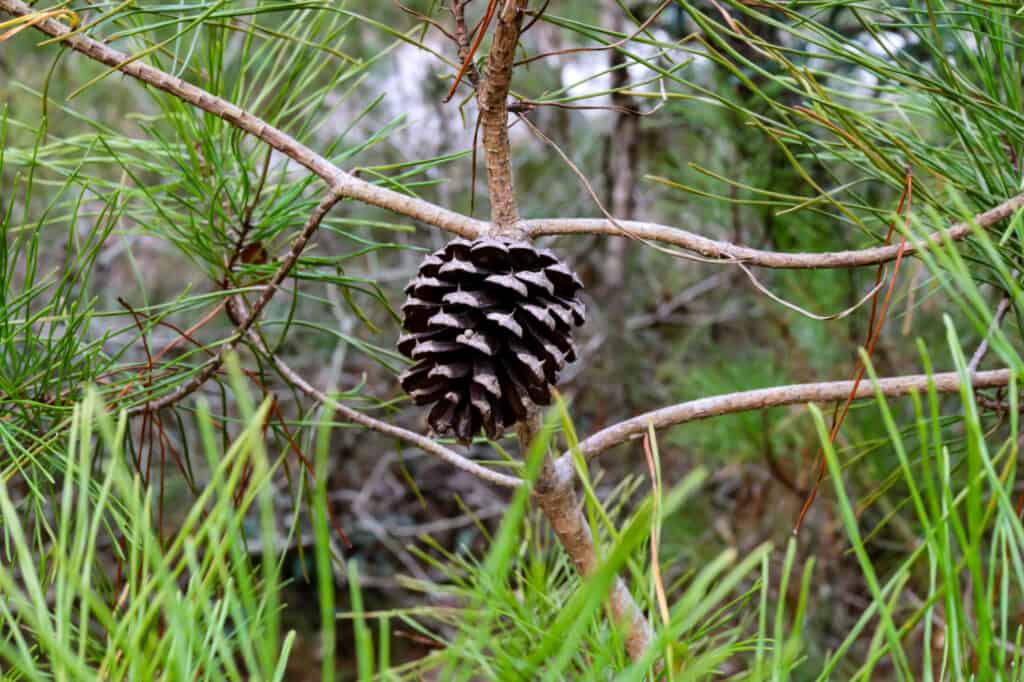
(493, 101)
(759, 399)
(465, 226)
(555, 494)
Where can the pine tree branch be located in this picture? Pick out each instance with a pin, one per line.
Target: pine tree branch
(712, 248)
(206, 371)
(997, 321)
(348, 185)
(762, 398)
(555, 494)
(492, 97)
(465, 226)
(424, 443)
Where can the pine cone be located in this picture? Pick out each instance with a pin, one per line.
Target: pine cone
(489, 325)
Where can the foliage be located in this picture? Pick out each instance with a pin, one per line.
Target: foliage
(161, 546)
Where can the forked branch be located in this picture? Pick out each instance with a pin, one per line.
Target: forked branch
(206, 371)
(459, 224)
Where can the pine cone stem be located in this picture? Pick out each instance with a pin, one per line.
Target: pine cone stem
(493, 102)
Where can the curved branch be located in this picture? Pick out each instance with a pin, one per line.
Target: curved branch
(426, 444)
(431, 214)
(347, 184)
(712, 248)
(271, 288)
(759, 399)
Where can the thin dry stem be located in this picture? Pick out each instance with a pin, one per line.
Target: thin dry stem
(271, 288)
(356, 417)
(997, 321)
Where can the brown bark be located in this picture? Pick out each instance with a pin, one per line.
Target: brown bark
(759, 399)
(203, 375)
(350, 186)
(493, 101)
(726, 251)
(456, 223)
(555, 494)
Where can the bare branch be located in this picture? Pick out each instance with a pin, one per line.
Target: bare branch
(610, 46)
(465, 226)
(555, 494)
(997, 321)
(726, 251)
(759, 399)
(426, 444)
(462, 39)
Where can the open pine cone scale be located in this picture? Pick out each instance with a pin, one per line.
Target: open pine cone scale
(488, 324)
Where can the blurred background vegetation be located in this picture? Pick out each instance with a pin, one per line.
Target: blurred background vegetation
(130, 217)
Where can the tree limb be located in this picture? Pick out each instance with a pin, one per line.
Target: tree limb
(555, 494)
(712, 248)
(348, 185)
(411, 437)
(465, 226)
(759, 399)
(312, 223)
(492, 97)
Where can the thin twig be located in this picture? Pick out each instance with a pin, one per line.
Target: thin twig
(466, 54)
(679, 254)
(425, 19)
(419, 440)
(537, 14)
(875, 322)
(997, 320)
(208, 370)
(462, 40)
(610, 46)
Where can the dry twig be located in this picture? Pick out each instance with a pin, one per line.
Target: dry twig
(997, 320)
(356, 417)
(208, 370)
